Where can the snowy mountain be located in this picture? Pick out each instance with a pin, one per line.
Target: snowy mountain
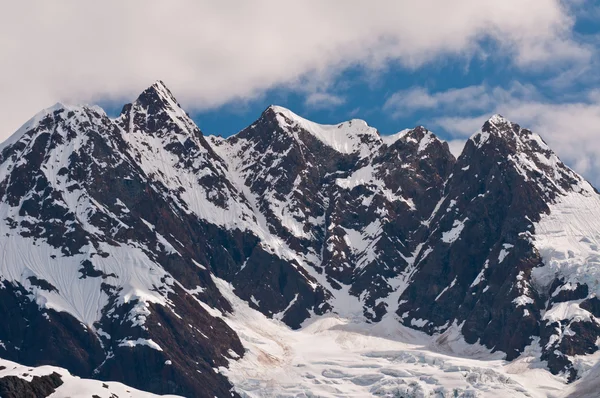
(139, 251)
(339, 201)
(532, 270)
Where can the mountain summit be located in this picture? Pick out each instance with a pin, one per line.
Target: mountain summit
(138, 240)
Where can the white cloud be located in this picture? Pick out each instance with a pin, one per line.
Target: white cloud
(403, 103)
(457, 100)
(456, 147)
(212, 52)
(323, 100)
(461, 126)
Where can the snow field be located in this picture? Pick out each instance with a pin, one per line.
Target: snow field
(332, 356)
(74, 387)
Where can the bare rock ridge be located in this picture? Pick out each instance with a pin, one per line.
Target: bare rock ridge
(39, 386)
(113, 230)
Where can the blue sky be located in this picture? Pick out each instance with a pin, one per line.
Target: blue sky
(445, 65)
(362, 94)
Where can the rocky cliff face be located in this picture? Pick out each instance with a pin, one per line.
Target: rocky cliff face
(101, 270)
(481, 268)
(342, 201)
(112, 231)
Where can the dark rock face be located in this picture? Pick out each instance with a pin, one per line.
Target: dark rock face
(486, 202)
(592, 305)
(475, 268)
(86, 207)
(38, 387)
(44, 337)
(350, 208)
(413, 168)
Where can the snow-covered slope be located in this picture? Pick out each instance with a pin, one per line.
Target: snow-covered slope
(69, 386)
(587, 387)
(353, 136)
(332, 356)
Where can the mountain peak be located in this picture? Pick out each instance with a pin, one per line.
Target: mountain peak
(155, 97)
(157, 111)
(500, 125)
(498, 119)
(290, 117)
(495, 130)
(162, 90)
(419, 137)
(277, 108)
(346, 137)
(58, 111)
(502, 142)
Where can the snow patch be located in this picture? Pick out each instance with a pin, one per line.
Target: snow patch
(144, 342)
(453, 235)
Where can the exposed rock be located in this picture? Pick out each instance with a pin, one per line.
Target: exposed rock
(38, 387)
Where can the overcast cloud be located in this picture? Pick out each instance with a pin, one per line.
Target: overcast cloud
(212, 52)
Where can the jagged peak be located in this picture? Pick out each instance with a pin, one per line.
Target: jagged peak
(156, 110)
(498, 119)
(58, 107)
(423, 137)
(419, 136)
(345, 137)
(500, 139)
(160, 88)
(497, 126)
(155, 97)
(508, 133)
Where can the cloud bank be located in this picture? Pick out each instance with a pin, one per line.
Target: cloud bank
(212, 52)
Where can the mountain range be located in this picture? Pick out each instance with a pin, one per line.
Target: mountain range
(129, 246)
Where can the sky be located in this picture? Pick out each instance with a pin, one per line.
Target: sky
(396, 64)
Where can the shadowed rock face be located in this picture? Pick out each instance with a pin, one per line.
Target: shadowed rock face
(461, 276)
(38, 387)
(114, 230)
(475, 268)
(347, 204)
(102, 234)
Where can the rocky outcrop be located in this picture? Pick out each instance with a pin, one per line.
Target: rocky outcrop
(38, 387)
